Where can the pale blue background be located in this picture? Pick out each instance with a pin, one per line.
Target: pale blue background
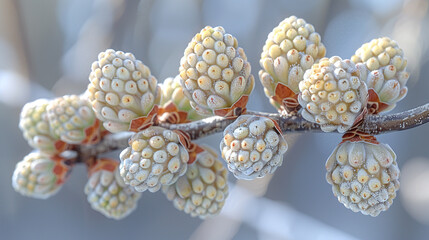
(47, 47)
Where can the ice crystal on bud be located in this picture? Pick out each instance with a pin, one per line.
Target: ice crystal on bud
(35, 127)
(332, 94)
(202, 191)
(121, 89)
(155, 157)
(290, 49)
(252, 147)
(39, 175)
(107, 193)
(364, 176)
(214, 71)
(383, 68)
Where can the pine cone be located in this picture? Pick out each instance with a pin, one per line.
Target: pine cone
(35, 126)
(155, 157)
(253, 147)
(122, 89)
(332, 94)
(290, 49)
(70, 118)
(172, 93)
(215, 73)
(383, 68)
(202, 191)
(107, 192)
(364, 176)
(39, 175)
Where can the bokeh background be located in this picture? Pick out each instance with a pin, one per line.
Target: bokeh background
(47, 47)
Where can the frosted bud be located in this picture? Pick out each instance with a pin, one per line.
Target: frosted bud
(70, 117)
(371, 171)
(346, 95)
(383, 67)
(40, 175)
(121, 89)
(252, 147)
(202, 191)
(289, 50)
(34, 125)
(221, 76)
(154, 157)
(106, 191)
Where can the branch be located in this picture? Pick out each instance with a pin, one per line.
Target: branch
(372, 124)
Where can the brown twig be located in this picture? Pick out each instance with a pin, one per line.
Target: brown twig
(372, 124)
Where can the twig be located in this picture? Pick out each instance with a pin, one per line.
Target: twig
(372, 124)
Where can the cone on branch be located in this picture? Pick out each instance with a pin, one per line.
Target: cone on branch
(364, 176)
(123, 93)
(106, 191)
(155, 157)
(383, 67)
(253, 147)
(290, 49)
(40, 175)
(72, 120)
(203, 189)
(215, 73)
(34, 125)
(332, 94)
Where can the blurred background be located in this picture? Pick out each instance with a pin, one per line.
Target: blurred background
(47, 47)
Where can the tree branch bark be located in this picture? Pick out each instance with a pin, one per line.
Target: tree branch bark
(372, 124)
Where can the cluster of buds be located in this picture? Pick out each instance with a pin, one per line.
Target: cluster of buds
(123, 93)
(203, 189)
(215, 73)
(290, 49)
(332, 94)
(383, 68)
(51, 127)
(253, 146)
(215, 79)
(175, 106)
(364, 176)
(107, 192)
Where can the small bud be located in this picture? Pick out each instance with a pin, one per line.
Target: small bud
(363, 175)
(252, 147)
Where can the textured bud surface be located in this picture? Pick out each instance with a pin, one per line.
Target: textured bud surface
(364, 176)
(202, 191)
(69, 116)
(35, 126)
(332, 94)
(290, 49)
(172, 92)
(38, 175)
(383, 68)
(252, 147)
(108, 194)
(214, 71)
(155, 157)
(121, 89)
